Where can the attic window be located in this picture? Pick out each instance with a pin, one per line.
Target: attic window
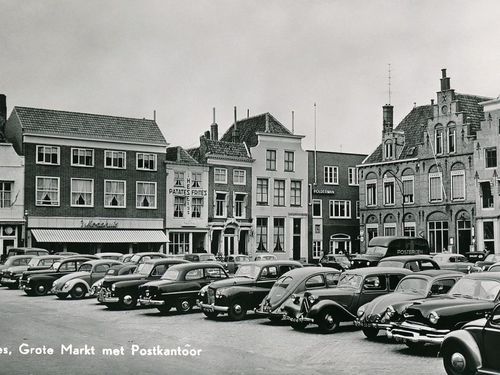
(388, 150)
(411, 151)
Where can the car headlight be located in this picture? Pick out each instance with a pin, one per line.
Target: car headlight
(433, 317)
(312, 298)
(219, 293)
(295, 299)
(28, 280)
(203, 291)
(367, 263)
(113, 287)
(361, 311)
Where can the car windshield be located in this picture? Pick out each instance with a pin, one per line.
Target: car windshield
(243, 258)
(390, 263)
(281, 286)
(376, 250)
(476, 289)
(171, 274)
(250, 270)
(492, 258)
(135, 258)
(348, 280)
(206, 257)
(55, 265)
(412, 285)
(144, 268)
(85, 268)
(34, 262)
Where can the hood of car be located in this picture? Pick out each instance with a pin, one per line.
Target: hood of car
(39, 272)
(449, 305)
(232, 281)
(115, 279)
(380, 304)
(71, 276)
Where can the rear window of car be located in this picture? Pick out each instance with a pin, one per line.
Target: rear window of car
(316, 281)
(85, 268)
(214, 273)
(195, 274)
(269, 273)
(332, 278)
(426, 265)
(101, 268)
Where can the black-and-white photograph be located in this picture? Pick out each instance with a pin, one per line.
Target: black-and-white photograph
(249, 187)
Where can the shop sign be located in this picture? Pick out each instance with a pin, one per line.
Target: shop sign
(104, 224)
(323, 191)
(188, 192)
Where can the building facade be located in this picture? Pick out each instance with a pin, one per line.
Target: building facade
(92, 183)
(333, 203)
(420, 179)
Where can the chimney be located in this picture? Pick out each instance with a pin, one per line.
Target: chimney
(388, 117)
(3, 115)
(207, 134)
(214, 129)
(267, 122)
(445, 81)
(236, 132)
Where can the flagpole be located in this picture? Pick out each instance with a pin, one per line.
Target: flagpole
(315, 158)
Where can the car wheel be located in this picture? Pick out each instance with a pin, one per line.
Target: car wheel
(458, 361)
(78, 291)
(183, 306)
(41, 289)
(128, 301)
(370, 332)
(164, 309)
(327, 322)
(237, 311)
(211, 314)
(299, 326)
(62, 295)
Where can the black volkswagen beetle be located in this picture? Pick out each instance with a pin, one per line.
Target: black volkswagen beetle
(297, 280)
(328, 307)
(377, 314)
(180, 285)
(123, 291)
(428, 321)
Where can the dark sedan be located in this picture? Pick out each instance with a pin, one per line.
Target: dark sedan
(414, 263)
(455, 262)
(488, 261)
(11, 275)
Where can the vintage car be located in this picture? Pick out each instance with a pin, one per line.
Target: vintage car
(476, 256)
(35, 251)
(126, 258)
(139, 258)
(16, 260)
(180, 285)
(474, 348)
(200, 257)
(11, 275)
(488, 261)
(429, 321)
(414, 263)
(123, 291)
(337, 261)
(379, 313)
(455, 262)
(264, 256)
(65, 253)
(115, 270)
(234, 261)
(295, 281)
(39, 283)
(495, 267)
(113, 256)
(246, 290)
(328, 307)
(78, 284)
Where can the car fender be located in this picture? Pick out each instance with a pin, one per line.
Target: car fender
(42, 279)
(340, 310)
(71, 283)
(464, 338)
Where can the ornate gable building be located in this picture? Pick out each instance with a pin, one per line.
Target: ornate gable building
(420, 179)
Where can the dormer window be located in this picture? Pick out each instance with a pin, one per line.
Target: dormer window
(389, 150)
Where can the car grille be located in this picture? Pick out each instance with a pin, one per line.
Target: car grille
(412, 315)
(211, 296)
(306, 305)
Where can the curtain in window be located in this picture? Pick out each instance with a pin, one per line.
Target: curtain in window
(47, 191)
(146, 195)
(114, 193)
(81, 192)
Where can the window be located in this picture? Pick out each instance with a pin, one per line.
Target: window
(389, 191)
(439, 141)
(340, 209)
(197, 205)
(409, 229)
(271, 160)
(388, 149)
(220, 205)
(371, 231)
(457, 185)
(195, 274)
(239, 177)
(490, 156)
(390, 229)
(262, 191)
(279, 233)
(47, 191)
(196, 179)
(146, 162)
(316, 281)
(408, 189)
(47, 155)
(82, 157)
(214, 273)
(289, 161)
(489, 236)
(317, 246)
(114, 194)
(371, 193)
(452, 140)
(331, 175)
(438, 236)
(179, 243)
(261, 233)
(279, 192)
(295, 193)
(435, 187)
(240, 205)
(486, 196)
(178, 179)
(220, 175)
(114, 159)
(146, 194)
(82, 192)
(5, 194)
(352, 175)
(316, 208)
(179, 206)
(357, 210)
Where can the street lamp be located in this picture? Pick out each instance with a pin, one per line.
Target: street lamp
(401, 187)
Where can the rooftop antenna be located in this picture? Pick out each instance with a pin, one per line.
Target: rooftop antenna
(315, 156)
(389, 83)
(293, 122)
(154, 115)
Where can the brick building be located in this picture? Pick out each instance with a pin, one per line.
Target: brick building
(92, 182)
(333, 203)
(420, 179)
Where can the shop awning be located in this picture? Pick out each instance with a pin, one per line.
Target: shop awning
(99, 236)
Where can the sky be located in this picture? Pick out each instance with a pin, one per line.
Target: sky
(182, 58)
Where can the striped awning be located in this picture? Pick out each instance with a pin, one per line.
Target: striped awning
(99, 236)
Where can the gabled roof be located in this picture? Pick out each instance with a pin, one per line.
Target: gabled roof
(469, 104)
(248, 128)
(91, 126)
(179, 156)
(220, 150)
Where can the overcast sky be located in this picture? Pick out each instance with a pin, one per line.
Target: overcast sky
(181, 58)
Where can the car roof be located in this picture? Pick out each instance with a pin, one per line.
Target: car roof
(76, 257)
(448, 255)
(109, 253)
(148, 253)
(494, 275)
(264, 263)
(436, 273)
(102, 261)
(306, 271)
(404, 258)
(28, 248)
(48, 257)
(376, 270)
(386, 240)
(193, 265)
(22, 256)
(166, 261)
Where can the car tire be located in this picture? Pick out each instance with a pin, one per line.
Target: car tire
(237, 311)
(299, 326)
(183, 306)
(457, 360)
(211, 314)
(128, 301)
(327, 322)
(164, 309)
(62, 295)
(370, 332)
(78, 291)
(41, 290)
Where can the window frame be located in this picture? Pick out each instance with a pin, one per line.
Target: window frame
(6, 195)
(389, 180)
(287, 162)
(293, 198)
(352, 176)
(155, 195)
(434, 175)
(458, 173)
(58, 192)
(244, 177)
(412, 179)
(112, 153)
(368, 184)
(486, 158)
(58, 149)
(334, 172)
(155, 159)
(73, 149)
(91, 194)
(197, 206)
(244, 204)
(347, 208)
(320, 208)
(218, 169)
(224, 208)
(124, 194)
(452, 135)
(270, 160)
(257, 201)
(277, 197)
(182, 207)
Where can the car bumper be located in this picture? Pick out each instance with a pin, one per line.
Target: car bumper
(416, 333)
(6, 281)
(151, 302)
(211, 308)
(24, 286)
(376, 325)
(298, 319)
(106, 298)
